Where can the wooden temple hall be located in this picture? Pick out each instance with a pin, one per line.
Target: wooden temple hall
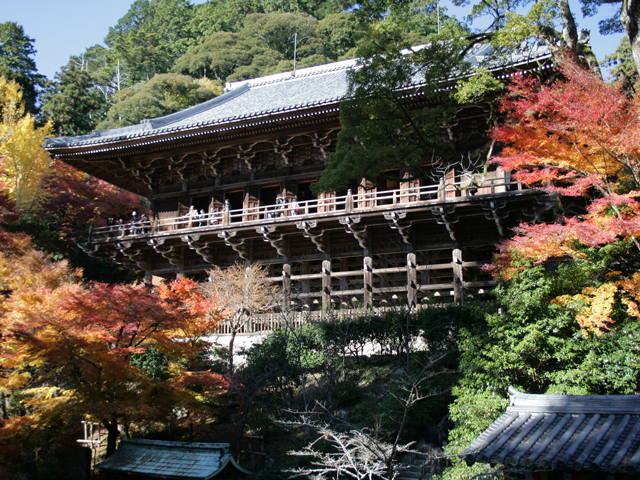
(245, 162)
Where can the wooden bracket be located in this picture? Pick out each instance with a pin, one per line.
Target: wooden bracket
(169, 252)
(444, 216)
(201, 247)
(399, 222)
(353, 225)
(495, 210)
(239, 245)
(313, 233)
(134, 255)
(276, 239)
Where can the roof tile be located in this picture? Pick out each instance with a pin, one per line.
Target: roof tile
(563, 432)
(310, 87)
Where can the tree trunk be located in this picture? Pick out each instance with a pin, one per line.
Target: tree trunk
(112, 434)
(569, 30)
(630, 17)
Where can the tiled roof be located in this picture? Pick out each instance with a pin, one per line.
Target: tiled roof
(271, 95)
(176, 460)
(593, 433)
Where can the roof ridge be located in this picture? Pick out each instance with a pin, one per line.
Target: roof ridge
(532, 402)
(287, 75)
(160, 122)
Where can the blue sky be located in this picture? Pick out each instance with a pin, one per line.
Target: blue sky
(65, 28)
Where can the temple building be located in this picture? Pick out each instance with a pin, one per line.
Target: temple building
(230, 180)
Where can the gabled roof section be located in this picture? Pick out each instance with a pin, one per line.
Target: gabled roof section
(268, 96)
(589, 433)
(174, 460)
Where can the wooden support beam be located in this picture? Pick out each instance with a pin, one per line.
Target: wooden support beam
(172, 253)
(412, 279)
(348, 273)
(314, 233)
(275, 238)
(235, 241)
(326, 282)
(354, 226)
(286, 282)
(458, 280)
(368, 278)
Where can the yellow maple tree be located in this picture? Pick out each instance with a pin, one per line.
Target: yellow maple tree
(23, 160)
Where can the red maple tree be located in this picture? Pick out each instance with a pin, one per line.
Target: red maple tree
(74, 200)
(575, 137)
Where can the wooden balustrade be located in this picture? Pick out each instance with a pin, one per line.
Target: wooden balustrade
(311, 208)
(266, 323)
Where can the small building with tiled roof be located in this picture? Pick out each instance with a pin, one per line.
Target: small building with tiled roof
(138, 459)
(590, 437)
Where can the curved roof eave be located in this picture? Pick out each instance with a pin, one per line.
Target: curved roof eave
(165, 135)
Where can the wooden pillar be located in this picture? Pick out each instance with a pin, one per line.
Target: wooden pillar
(326, 281)
(368, 278)
(412, 278)
(286, 282)
(344, 281)
(251, 201)
(458, 281)
(348, 206)
(304, 284)
(409, 183)
(366, 193)
(290, 190)
(450, 187)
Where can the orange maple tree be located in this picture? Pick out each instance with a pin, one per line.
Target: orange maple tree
(576, 137)
(69, 351)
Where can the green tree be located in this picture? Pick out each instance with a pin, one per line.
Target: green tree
(163, 94)
(220, 16)
(265, 45)
(621, 65)
(143, 55)
(536, 345)
(340, 33)
(218, 56)
(625, 19)
(380, 129)
(149, 38)
(168, 19)
(17, 63)
(72, 102)
(282, 32)
(100, 64)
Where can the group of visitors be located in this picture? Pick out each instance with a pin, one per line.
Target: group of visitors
(137, 225)
(141, 224)
(282, 205)
(199, 218)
